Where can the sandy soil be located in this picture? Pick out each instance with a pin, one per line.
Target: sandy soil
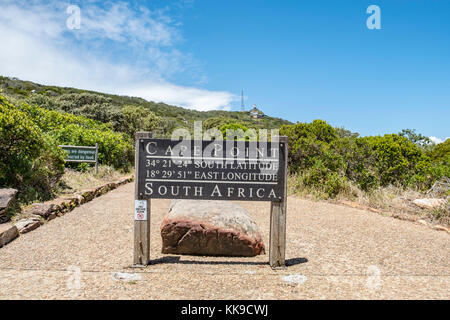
(333, 252)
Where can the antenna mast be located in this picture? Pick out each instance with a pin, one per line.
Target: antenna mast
(242, 101)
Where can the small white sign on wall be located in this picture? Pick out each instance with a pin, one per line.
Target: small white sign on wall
(140, 210)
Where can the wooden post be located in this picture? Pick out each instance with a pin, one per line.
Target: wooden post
(141, 228)
(96, 158)
(278, 209)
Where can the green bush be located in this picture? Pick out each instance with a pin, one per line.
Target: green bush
(310, 143)
(240, 132)
(441, 153)
(217, 123)
(29, 161)
(138, 119)
(127, 119)
(330, 159)
(49, 120)
(440, 157)
(398, 160)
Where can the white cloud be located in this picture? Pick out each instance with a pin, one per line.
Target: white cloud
(203, 100)
(438, 140)
(117, 50)
(121, 23)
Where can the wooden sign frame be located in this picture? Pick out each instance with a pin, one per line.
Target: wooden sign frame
(142, 207)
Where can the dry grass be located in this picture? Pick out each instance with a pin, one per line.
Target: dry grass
(398, 200)
(389, 199)
(74, 181)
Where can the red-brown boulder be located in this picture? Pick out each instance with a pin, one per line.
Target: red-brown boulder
(212, 228)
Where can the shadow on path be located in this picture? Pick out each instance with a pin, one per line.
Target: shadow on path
(176, 260)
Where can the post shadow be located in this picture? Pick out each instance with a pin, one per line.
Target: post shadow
(176, 260)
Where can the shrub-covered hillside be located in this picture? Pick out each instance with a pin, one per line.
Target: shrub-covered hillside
(162, 118)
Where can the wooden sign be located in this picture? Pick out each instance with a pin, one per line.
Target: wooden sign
(210, 170)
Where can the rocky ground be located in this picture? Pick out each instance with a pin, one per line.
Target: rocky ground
(333, 252)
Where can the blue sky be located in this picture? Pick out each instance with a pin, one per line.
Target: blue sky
(299, 60)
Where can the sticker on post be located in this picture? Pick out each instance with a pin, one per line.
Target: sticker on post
(140, 210)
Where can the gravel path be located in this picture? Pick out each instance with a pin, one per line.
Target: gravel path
(333, 252)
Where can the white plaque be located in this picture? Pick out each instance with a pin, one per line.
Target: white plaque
(140, 210)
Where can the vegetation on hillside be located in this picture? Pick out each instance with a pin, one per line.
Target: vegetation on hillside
(113, 109)
(327, 162)
(30, 159)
